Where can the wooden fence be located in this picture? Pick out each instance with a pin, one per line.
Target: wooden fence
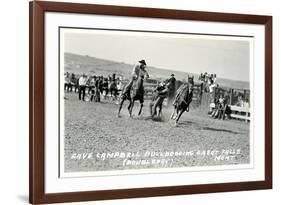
(242, 113)
(197, 94)
(233, 96)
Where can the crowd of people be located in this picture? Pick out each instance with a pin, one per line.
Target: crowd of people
(242, 101)
(220, 107)
(217, 106)
(219, 103)
(206, 77)
(92, 85)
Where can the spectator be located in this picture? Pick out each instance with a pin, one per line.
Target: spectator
(105, 87)
(215, 78)
(246, 103)
(82, 86)
(172, 89)
(92, 85)
(113, 77)
(66, 81)
(100, 86)
(240, 101)
(200, 78)
(212, 85)
(76, 86)
(219, 107)
(72, 82)
(109, 78)
(97, 89)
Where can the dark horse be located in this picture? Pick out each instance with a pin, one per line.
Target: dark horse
(183, 99)
(133, 93)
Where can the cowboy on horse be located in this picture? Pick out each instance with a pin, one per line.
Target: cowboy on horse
(134, 90)
(138, 71)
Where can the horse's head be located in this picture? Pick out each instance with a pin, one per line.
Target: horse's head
(190, 79)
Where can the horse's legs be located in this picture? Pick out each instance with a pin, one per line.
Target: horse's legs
(141, 105)
(120, 106)
(160, 110)
(153, 109)
(177, 113)
(150, 108)
(131, 107)
(173, 113)
(178, 116)
(111, 94)
(156, 104)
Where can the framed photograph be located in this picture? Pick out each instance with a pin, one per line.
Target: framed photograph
(140, 102)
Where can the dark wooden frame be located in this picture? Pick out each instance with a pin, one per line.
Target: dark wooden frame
(37, 95)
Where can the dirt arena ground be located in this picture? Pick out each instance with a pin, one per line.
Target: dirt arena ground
(94, 128)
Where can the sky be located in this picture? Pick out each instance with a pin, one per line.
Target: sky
(228, 57)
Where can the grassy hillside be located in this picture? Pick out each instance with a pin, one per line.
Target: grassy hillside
(96, 66)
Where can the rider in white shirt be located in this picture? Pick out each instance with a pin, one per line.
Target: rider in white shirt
(138, 71)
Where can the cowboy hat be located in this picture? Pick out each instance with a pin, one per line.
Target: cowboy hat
(142, 62)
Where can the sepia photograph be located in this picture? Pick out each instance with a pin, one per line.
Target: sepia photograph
(150, 102)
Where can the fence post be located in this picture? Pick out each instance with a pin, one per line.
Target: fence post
(201, 92)
(231, 96)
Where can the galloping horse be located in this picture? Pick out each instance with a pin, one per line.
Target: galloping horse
(133, 93)
(183, 99)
